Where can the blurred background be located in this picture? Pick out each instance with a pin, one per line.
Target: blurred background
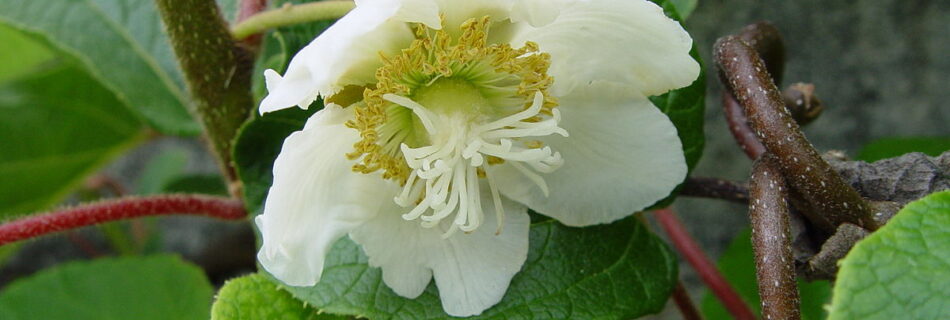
(881, 67)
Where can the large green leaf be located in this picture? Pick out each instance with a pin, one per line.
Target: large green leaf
(122, 44)
(60, 125)
(18, 47)
(157, 287)
(894, 147)
(737, 266)
(901, 271)
(254, 297)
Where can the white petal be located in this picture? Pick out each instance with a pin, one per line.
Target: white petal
(537, 13)
(622, 155)
(625, 41)
(348, 52)
(315, 199)
(457, 12)
(472, 271)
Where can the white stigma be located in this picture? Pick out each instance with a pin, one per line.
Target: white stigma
(447, 170)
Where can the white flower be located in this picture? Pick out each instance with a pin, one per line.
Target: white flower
(445, 120)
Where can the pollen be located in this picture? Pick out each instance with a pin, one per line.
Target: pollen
(507, 79)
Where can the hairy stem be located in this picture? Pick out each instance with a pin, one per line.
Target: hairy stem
(771, 241)
(688, 248)
(703, 187)
(119, 209)
(684, 303)
(217, 70)
(290, 15)
(832, 201)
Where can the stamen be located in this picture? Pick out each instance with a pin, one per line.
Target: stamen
(424, 115)
(445, 109)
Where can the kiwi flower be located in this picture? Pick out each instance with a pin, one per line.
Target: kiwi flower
(446, 120)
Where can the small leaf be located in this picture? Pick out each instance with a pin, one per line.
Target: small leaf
(122, 44)
(254, 297)
(60, 126)
(894, 147)
(737, 266)
(901, 270)
(142, 288)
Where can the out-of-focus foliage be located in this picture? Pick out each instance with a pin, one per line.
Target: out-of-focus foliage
(122, 44)
(893, 147)
(156, 287)
(61, 125)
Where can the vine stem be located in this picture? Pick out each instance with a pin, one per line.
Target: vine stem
(831, 200)
(291, 14)
(119, 209)
(694, 255)
(771, 241)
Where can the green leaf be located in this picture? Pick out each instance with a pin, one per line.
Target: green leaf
(60, 125)
(254, 297)
(895, 147)
(902, 270)
(19, 47)
(122, 44)
(684, 7)
(737, 265)
(142, 288)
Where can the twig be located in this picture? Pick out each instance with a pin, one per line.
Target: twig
(291, 14)
(684, 303)
(688, 248)
(703, 187)
(217, 70)
(831, 200)
(771, 241)
(119, 209)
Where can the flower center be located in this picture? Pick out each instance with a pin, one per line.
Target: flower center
(445, 109)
